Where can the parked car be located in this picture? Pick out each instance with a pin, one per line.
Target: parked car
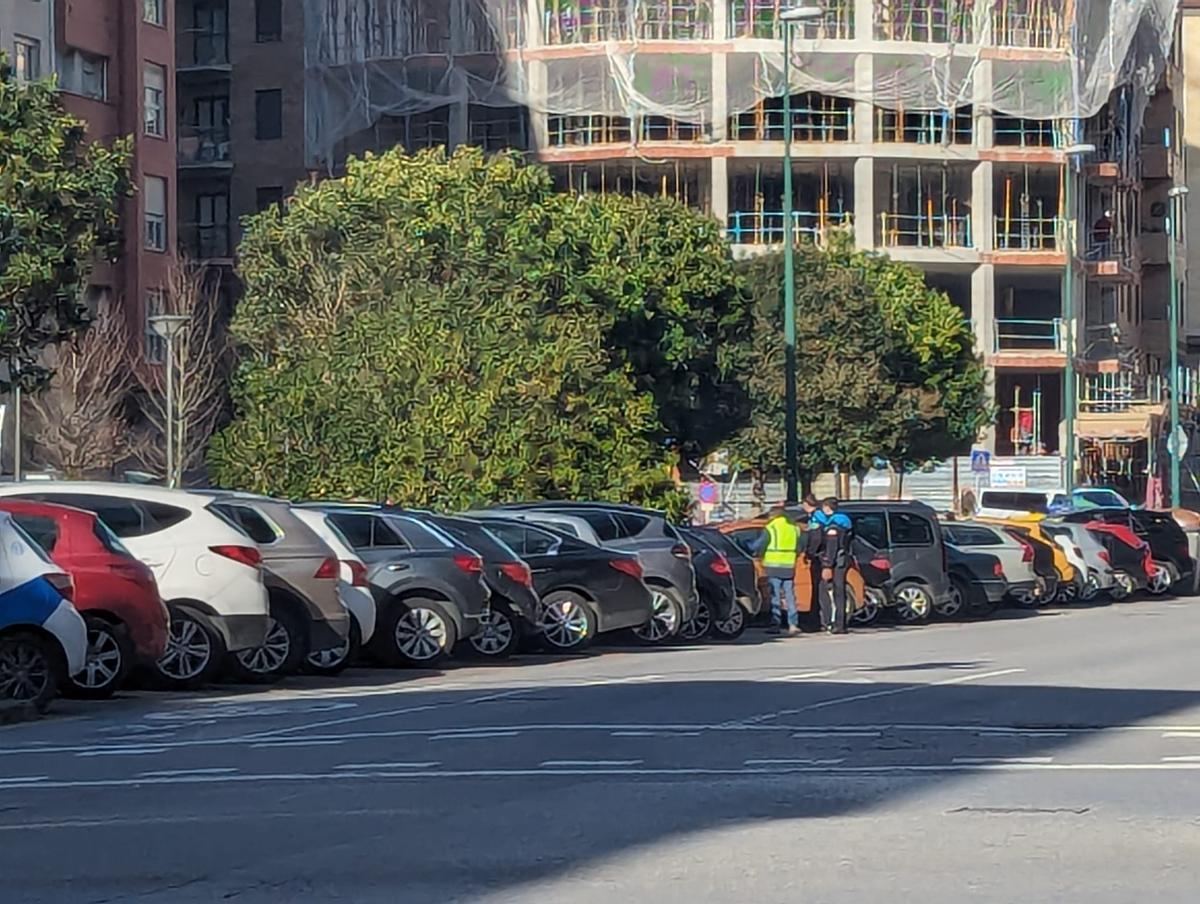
(1001, 503)
(1129, 555)
(428, 588)
(207, 571)
(513, 613)
(126, 619)
(1168, 543)
(745, 585)
(1016, 556)
(665, 558)
(714, 583)
(585, 590)
(300, 573)
(1094, 574)
(909, 537)
(43, 638)
(1049, 560)
(354, 592)
(878, 585)
(977, 584)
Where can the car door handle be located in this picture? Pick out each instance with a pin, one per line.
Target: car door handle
(399, 566)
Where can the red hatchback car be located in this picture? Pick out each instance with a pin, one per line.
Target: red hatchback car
(114, 592)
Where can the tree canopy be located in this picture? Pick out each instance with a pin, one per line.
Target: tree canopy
(886, 366)
(60, 199)
(449, 331)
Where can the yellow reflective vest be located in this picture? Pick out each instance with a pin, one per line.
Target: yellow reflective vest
(783, 541)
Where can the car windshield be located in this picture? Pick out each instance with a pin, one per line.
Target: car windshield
(1089, 499)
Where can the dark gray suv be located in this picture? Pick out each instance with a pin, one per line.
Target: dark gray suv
(428, 587)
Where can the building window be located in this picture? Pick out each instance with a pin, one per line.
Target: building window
(27, 59)
(156, 345)
(269, 196)
(152, 11)
(210, 33)
(268, 21)
(83, 73)
(155, 202)
(155, 89)
(212, 227)
(268, 114)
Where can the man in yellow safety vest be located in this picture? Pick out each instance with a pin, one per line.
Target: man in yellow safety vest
(780, 551)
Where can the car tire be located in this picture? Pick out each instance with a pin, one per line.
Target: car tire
(914, 603)
(32, 670)
(193, 655)
(697, 627)
(958, 603)
(732, 626)
(109, 661)
(282, 652)
(1163, 580)
(498, 636)
(1090, 589)
(567, 623)
(417, 633)
(335, 660)
(1123, 586)
(665, 620)
(868, 613)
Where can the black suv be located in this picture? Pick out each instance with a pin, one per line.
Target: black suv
(1168, 542)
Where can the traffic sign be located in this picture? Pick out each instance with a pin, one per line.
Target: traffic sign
(708, 493)
(981, 461)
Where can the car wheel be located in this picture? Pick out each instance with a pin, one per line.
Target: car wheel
(109, 660)
(913, 603)
(193, 653)
(697, 627)
(1068, 592)
(498, 634)
(666, 618)
(868, 612)
(335, 660)
(567, 622)
(1123, 586)
(419, 632)
(31, 670)
(732, 626)
(955, 604)
(1162, 580)
(1027, 598)
(1090, 588)
(282, 651)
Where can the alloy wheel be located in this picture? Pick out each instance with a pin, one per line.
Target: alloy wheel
(664, 620)
(913, 603)
(421, 634)
(699, 624)
(104, 660)
(1161, 580)
(1067, 592)
(1090, 588)
(1123, 586)
(953, 605)
(565, 624)
(733, 624)
(189, 650)
(496, 635)
(330, 658)
(271, 655)
(25, 672)
(868, 612)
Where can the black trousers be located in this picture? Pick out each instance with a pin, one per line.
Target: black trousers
(833, 600)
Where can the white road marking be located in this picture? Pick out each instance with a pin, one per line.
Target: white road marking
(169, 773)
(1181, 734)
(601, 682)
(427, 765)
(989, 760)
(906, 689)
(297, 742)
(836, 734)
(804, 676)
(123, 751)
(473, 735)
(801, 762)
(1181, 759)
(22, 779)
(595, 763)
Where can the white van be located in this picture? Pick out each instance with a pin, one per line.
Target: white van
(1006, 503)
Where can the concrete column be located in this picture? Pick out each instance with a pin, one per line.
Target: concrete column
(539, 89)
(982, 220)
(533, 23)
(719, 102)
(864, 87)
(985, 131)
(720, 11)
(459, 132)
(864, 20)
(983, 315)
(719, 190)
(865, 215)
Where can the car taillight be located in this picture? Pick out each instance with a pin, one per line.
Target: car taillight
(519, 572)
(631, 567)
(998, 570)
(681, 551)
(328, 571)
(1027, 554)
(720, 565)
(358, 573)
(468, 562)
(63, 583)
(881, 563)
(245, 555)
(1104, 557)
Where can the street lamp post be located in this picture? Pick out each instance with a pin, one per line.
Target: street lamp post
(1174, 194)
(792, 470)
(168, 326)
(1070, 395)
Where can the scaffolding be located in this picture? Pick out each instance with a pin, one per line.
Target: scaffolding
(1031, 215)
(926, 210)
(1012, 131)
(822, 204)
(925, 127)
(674, 179)
(1031, 23)
(925, 21)
(760, 19)
(815, 117)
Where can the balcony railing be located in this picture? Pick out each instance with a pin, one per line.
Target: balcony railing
(1110, 393)
(903, 230)
(926, 22)
(201, 147)
(1029, 23)
(1112, 247)
(1028, 335)
(766, 227)
(814, 118)
(206, 241)
(209, 48)
(1028, 234)
(758, 19)
(600, 21)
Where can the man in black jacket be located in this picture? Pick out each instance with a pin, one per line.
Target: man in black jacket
(834, 556)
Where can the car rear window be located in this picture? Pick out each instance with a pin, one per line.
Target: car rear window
(1009, 501)
(964, 535)
(629, 524)
(415, 533)
(108, 539)
(477, 538)
(42, 530)
(248, 520)
(33, 544)
(604, 524)
(124, 517)
(908, 529)
(870, 527)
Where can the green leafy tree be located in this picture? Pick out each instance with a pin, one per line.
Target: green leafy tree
(60, 198)
(885, 365)
(450, 331)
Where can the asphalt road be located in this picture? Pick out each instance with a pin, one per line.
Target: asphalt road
(1033, 759)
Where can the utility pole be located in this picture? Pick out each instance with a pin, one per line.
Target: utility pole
(1070, 390)
(1177, 453)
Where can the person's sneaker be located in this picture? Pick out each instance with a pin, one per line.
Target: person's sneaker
(794, 631)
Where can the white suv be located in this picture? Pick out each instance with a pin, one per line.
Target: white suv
(207, 571)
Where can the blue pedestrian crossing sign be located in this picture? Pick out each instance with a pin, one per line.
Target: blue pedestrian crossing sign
(981, 461)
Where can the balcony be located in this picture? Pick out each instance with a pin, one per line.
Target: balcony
(815, 117)
(766, 228)
(1121, 392)
(937, 127)
(1028, 234)
(210, 54)
(206, 241)
(926, 22)
(757, 19)
(572, 22)
(932, 230)
(1109, 257)
(204, 148)
(1038, 336)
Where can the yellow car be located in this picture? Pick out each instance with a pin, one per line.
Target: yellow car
(1029, 526)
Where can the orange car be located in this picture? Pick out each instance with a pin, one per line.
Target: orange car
(747, 531)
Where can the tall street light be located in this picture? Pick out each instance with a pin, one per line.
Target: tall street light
(168, 326)
(787, 17)
(1177, 453)
(1070, 395)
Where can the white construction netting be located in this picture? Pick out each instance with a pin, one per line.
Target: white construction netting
(373, 66)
